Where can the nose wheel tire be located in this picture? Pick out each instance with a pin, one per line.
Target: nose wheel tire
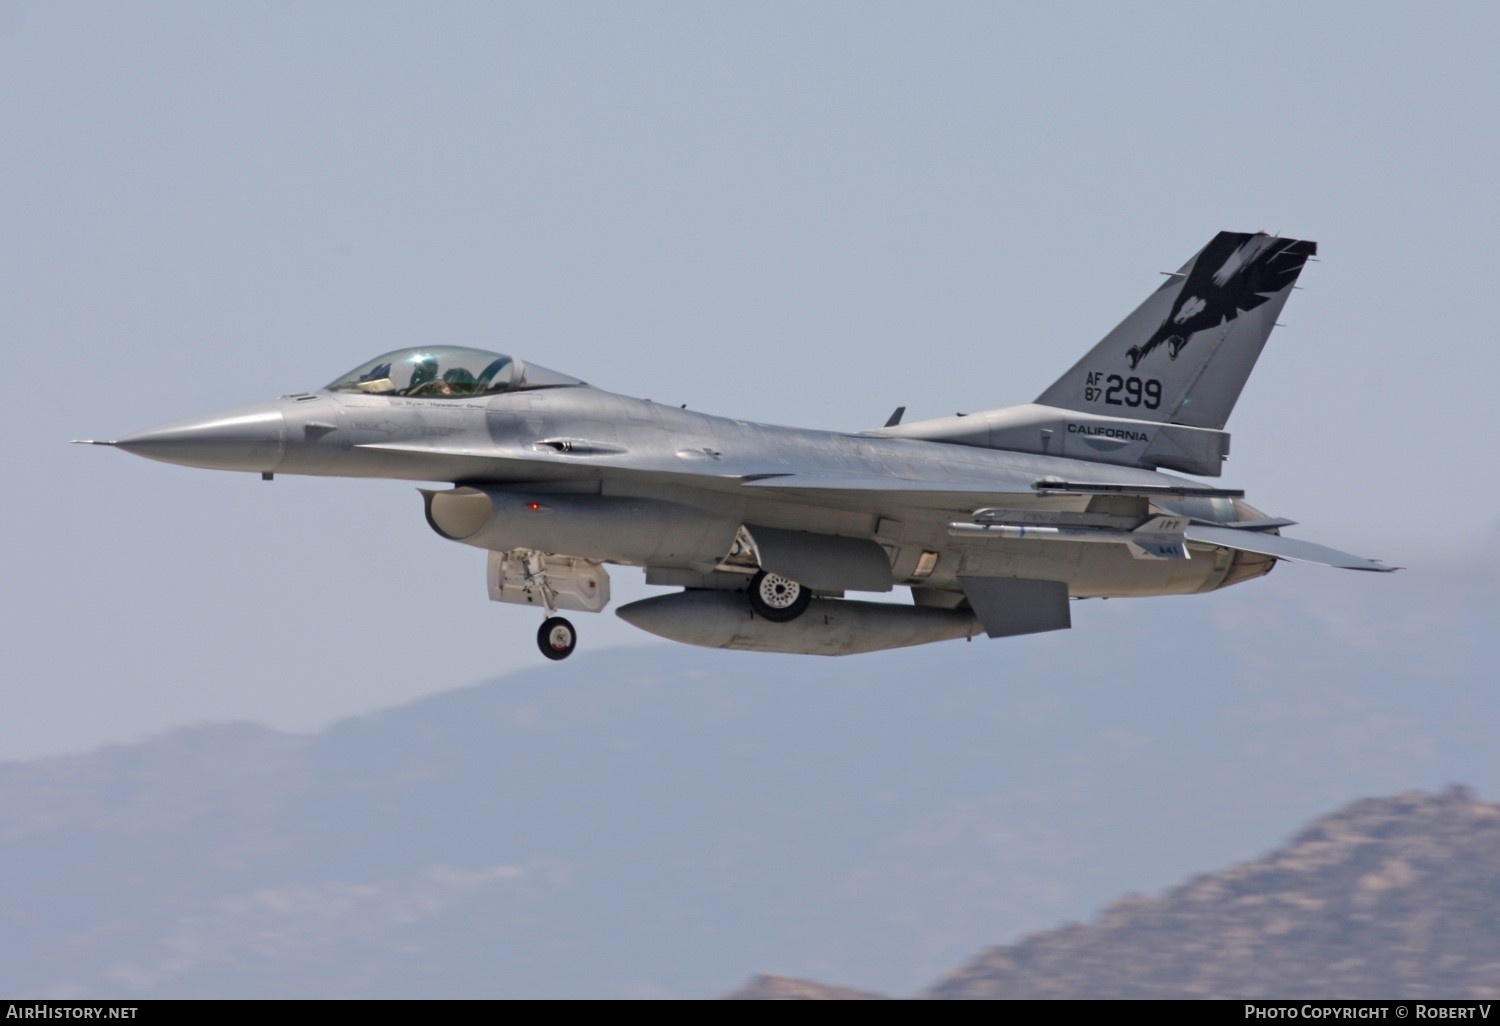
(557, 638)
(778, 598)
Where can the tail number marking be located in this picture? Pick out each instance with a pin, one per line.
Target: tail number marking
(1117, 391)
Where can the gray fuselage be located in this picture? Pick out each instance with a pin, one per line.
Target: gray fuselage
(585, 441)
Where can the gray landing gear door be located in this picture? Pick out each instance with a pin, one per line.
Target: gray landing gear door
(1008, 606)
(822, 562)
(533, 578)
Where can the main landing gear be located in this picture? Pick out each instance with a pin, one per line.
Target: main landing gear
(557, 638)
(778, 599)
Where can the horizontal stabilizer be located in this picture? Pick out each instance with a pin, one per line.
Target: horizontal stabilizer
(1282, 548)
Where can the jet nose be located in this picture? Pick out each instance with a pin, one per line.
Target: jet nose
(248, 438)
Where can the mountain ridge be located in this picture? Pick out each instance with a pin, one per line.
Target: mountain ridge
(1387, 898)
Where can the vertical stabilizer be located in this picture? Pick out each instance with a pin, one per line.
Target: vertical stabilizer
(1185, 353)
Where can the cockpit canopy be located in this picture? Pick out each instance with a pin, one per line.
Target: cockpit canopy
(447, 372)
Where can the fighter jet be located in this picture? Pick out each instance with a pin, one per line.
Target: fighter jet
(995, 521)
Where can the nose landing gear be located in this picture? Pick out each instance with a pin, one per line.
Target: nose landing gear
(557, 638)
(534, 578)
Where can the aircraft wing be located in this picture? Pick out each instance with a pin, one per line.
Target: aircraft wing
(1282, 548)
(867, 491)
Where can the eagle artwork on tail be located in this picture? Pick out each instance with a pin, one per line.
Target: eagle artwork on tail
(1235, 273)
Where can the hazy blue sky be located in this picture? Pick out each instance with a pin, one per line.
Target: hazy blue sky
(791, 212)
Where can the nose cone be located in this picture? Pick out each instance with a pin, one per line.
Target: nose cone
(248, 438)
